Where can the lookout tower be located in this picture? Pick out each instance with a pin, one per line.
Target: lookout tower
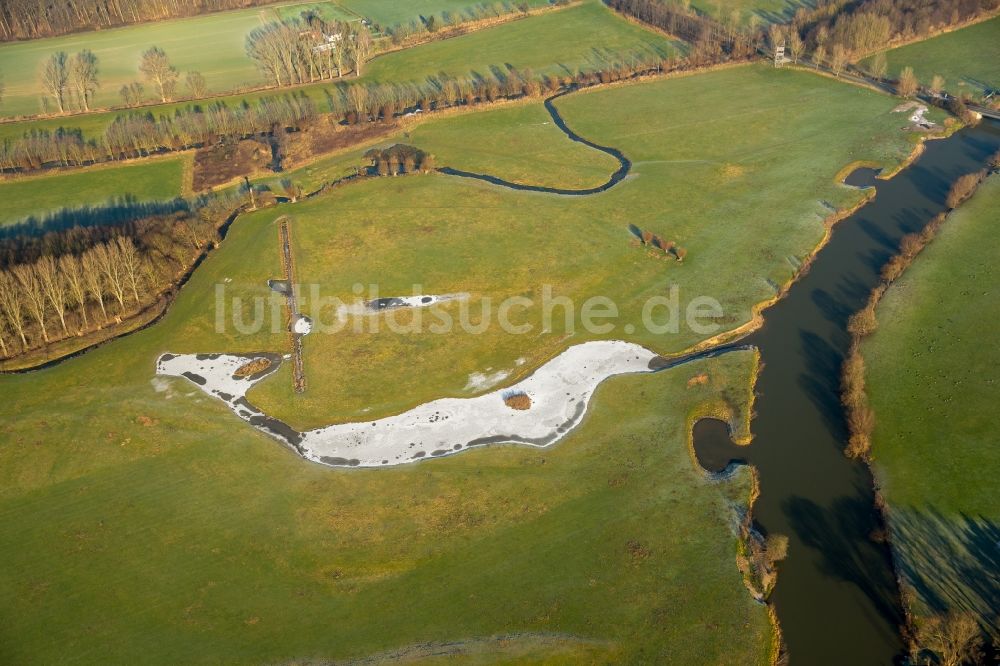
(779, 56)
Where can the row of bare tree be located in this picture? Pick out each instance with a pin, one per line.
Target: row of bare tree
(839, 32)
(68, 283)
(33, 297)
(135, 134)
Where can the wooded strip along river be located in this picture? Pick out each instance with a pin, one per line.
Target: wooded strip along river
(837, 599)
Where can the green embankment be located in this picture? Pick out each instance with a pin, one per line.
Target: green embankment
(934, 383)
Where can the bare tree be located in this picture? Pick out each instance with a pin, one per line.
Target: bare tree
(838, 59)
(878, 65)
(357, 95)
(907, 84)
(53, 286)
(361, 48)
(156, 67)
(4, 332)
(196, 84)
(11, 305)
(90, 264)
(83, 74)
(954, 639)
(819, 55)
(794, 44)
(55, 77)
(111, 271)
(131, 264)
(937, 84)
(131, 94)
(72, 271)
(34, 295)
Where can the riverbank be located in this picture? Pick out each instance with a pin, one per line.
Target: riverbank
(931, 445)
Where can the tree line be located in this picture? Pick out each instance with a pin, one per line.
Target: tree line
(136, 134)
(838, 33)
(31, 19)
(99, 277)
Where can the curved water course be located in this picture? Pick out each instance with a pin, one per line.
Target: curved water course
(624, 164)
(836, 595)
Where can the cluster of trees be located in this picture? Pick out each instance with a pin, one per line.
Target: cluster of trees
(649, 239)
(70, 82)
(294, 50)
(398, 159)
(711, 40)
(137, 134)
(30, 19)
(99, 276)
(839, 32)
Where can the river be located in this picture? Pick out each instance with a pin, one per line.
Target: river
(836, 597)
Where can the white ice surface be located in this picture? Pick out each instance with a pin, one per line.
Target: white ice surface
(560, 391)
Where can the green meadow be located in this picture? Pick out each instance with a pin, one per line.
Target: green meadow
(212, 44)
(745, 192)
(933, 384)
(558, 42)
(387, 13)
(36, 197)
(968, 59)
(222, 546)
(747, 12)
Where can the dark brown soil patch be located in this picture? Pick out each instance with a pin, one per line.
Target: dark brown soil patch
(220, 164)
(519, 401)
(253, 367)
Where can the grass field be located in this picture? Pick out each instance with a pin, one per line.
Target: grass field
(968, 59)
(933, 384)
(747, 11)
(213, 45)
(164, 531)
(157, 179)
(391, 12)
(706, 181)
(560, 41)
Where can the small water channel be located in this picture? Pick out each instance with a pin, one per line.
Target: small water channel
(836, 596)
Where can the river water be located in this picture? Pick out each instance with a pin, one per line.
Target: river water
(836, 596)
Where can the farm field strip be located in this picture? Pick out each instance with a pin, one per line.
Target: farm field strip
(968, 59)
(553, 42)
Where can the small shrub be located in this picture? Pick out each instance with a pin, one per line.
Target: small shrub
(963, 188)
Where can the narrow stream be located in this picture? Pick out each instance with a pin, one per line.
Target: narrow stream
(836, 596)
